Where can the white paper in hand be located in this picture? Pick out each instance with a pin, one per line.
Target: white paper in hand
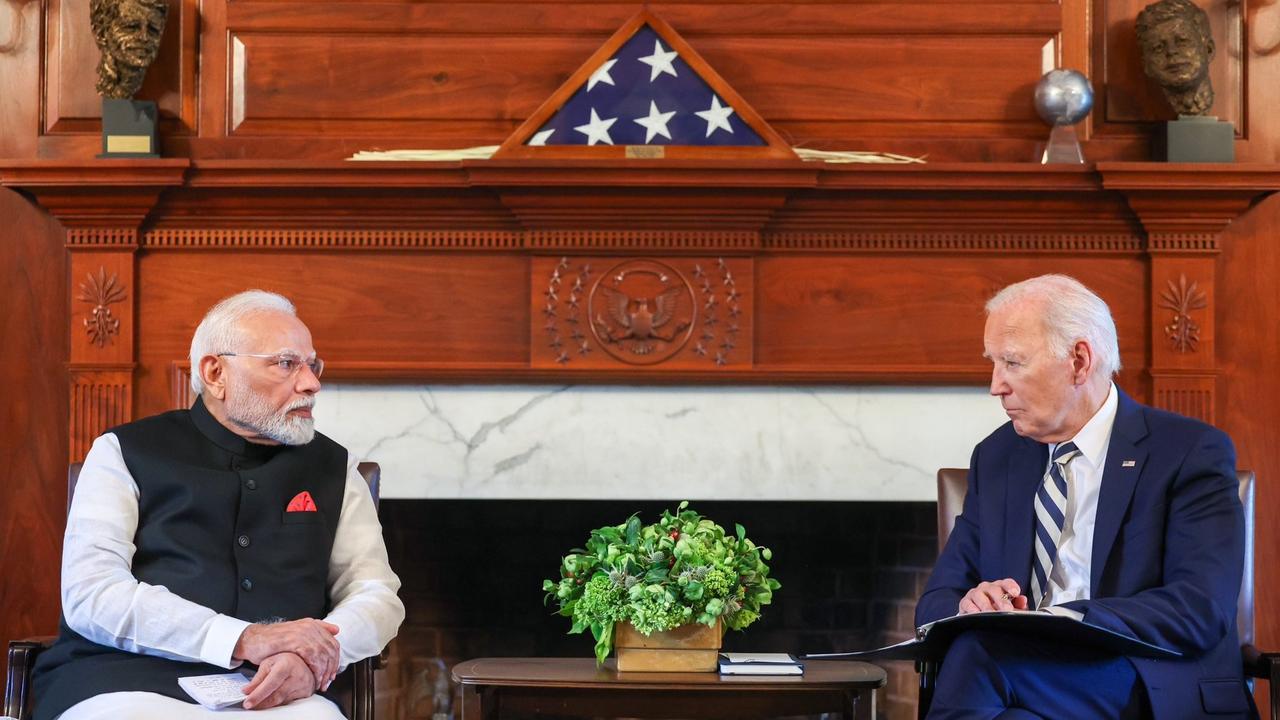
(215, 691)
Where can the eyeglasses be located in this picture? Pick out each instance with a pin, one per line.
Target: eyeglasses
(286, 365)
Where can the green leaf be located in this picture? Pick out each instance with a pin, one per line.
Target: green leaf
(633, 530)
(604, 642)
(693, 591)
(656, 575)
(742, 532)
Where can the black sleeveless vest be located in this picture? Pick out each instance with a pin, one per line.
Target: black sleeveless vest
(212, 528)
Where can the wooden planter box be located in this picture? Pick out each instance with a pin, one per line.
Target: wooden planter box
(688, 648)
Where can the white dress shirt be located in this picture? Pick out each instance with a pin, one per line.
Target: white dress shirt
(1070, 577)
(104, 602)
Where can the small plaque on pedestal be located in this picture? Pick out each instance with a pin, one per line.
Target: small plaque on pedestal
(129, 129)
(1197, 138)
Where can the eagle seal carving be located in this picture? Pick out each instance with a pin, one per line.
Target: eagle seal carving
(642, 312)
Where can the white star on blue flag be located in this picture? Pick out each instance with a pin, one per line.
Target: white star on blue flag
(656, 96)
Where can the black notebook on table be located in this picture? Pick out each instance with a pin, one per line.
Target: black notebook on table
(759, 664)
(933, 640)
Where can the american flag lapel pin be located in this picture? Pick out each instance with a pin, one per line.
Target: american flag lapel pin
(1129, 463)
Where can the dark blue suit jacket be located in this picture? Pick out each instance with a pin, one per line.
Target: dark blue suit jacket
(1168, 549)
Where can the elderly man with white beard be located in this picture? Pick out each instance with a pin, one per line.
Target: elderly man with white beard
(201, 540)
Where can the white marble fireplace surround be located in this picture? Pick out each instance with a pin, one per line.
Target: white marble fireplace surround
(658, 443)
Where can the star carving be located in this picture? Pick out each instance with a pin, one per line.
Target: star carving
(732, 302)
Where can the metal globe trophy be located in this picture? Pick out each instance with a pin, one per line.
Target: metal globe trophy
(1063, 98)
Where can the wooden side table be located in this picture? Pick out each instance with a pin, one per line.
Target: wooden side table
(493, 688)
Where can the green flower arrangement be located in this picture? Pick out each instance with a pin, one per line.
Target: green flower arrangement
(679, 570)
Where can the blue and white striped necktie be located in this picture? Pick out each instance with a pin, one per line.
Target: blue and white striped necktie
(1051, 508)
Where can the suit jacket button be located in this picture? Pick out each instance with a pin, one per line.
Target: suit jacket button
(247, 584)
(251, 484)
(243, 541)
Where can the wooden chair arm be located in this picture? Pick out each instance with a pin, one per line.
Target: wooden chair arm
(1260, 664)
(1265, 666)
(17, 687)
(362, 686)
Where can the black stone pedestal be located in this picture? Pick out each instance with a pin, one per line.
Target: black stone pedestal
(129, 129)
(1197, 138)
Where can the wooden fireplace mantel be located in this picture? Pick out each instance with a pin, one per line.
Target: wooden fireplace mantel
(492, 271)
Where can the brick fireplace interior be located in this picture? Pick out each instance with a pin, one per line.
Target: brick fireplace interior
(473, 570)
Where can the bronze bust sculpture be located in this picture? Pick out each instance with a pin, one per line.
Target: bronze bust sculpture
(128, 34)
(1176, 49)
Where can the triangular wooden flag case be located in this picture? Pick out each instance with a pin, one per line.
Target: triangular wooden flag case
(723, 126)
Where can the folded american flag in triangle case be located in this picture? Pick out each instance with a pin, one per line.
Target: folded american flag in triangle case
(648, 93)
(645, 94)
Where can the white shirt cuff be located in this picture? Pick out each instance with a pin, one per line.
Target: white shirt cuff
(220, 642)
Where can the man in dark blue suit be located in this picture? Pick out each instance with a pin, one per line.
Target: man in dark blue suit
(1087, 503)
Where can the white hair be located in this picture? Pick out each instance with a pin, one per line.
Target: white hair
(220, 332)
(1072, 312)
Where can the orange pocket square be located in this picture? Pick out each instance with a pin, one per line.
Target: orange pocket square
(301, 502)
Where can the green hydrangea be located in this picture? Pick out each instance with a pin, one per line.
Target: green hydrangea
(652, 612)
(602, 601)
(718, 583)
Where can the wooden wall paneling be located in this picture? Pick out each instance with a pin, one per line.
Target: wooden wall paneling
(382, 315)
(445, 85)
(1247, 318)
(1262, 47)
(919, 316)
(20, 39)
(33, 415)
(448, 72)
(72, 107)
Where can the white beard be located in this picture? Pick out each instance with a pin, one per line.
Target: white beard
(255, 415)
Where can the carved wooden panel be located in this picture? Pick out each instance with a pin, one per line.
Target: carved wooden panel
(642, 312)
(73, 106)
(101, 308)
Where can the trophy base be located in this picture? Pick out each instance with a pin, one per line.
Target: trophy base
(1063, 147)
(129, 129)
(1196, 138)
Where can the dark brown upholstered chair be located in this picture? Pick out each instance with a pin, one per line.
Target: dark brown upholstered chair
(353, 688)
(954, 482)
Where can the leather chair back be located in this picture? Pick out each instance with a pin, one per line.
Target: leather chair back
(954, 482)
